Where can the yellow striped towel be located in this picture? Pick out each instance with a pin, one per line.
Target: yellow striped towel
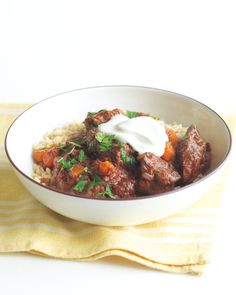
(180, 243)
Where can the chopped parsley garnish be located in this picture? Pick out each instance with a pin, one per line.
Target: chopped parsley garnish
(75, 143)
(107, 193)
(95, 182)
(82, 156)
(105, 141)
(65, 148)
(106, 144)
(80, 185)
(119, 142)
(127, 160)
(131, 114)
(91, 114)
(67, 164)
(100, 136)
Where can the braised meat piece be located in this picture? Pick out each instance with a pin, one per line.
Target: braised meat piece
(119, 153)
(90, 143)
(192, 155)
(157, 175)
(124, 188)
(145, 187)
(100, 117)
(62, 180)
(124, 184)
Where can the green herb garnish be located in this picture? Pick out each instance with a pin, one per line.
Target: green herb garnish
(131, 114)
(107, 193)
(82, 156)
(91, 114)
(119, 142)
(67, 164)
(127, 160)
(95, 182)
(106, 144)
(105, 141)
(65, 148)
(80, 185)
(74, 143)
(100, 136)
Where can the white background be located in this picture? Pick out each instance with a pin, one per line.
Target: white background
(47, 47)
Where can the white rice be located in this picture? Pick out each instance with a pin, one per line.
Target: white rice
(59, 136)
(39, 173)
(178, 128)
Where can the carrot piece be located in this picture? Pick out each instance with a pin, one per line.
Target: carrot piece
(169, 153)
(105, 168)
(173, 138)
(45, 156)
(49, 156)
(76, 170)
(38, 155)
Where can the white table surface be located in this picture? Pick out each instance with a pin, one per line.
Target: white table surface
(48, 47)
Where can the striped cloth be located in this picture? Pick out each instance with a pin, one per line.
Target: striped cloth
(180, 243)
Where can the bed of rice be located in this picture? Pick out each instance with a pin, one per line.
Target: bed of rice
(59, 136)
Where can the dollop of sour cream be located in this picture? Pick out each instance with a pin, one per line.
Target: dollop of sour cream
(143, 133)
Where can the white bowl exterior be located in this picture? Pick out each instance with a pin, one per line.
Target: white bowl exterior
(73, 106)
(118, 213)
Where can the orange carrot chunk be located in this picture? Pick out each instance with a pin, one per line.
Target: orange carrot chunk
(105, 168)
(76, 170)
(169, 153)
(38, 155)
(47, 157)
(173, 138)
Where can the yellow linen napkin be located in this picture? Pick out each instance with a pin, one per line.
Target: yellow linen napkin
(180, 243)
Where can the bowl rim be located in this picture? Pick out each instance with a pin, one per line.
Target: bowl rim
(178, 189)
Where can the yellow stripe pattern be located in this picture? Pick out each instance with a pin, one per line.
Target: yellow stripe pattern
(180, 243)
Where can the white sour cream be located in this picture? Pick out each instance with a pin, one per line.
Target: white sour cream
(143, 133)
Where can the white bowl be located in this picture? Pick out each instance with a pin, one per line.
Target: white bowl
(64, 108)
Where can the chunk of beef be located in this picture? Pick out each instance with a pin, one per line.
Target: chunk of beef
(117, 153)
(156, 175)
(91, 144)
(123, 185)
(100, 117)
(150, 187)
(122, 182)
(62, 180)
(192, 155)
(124, 188)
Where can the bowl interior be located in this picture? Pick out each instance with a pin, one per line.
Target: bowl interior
(73, 106)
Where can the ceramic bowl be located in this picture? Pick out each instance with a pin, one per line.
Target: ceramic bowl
(71, 106)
